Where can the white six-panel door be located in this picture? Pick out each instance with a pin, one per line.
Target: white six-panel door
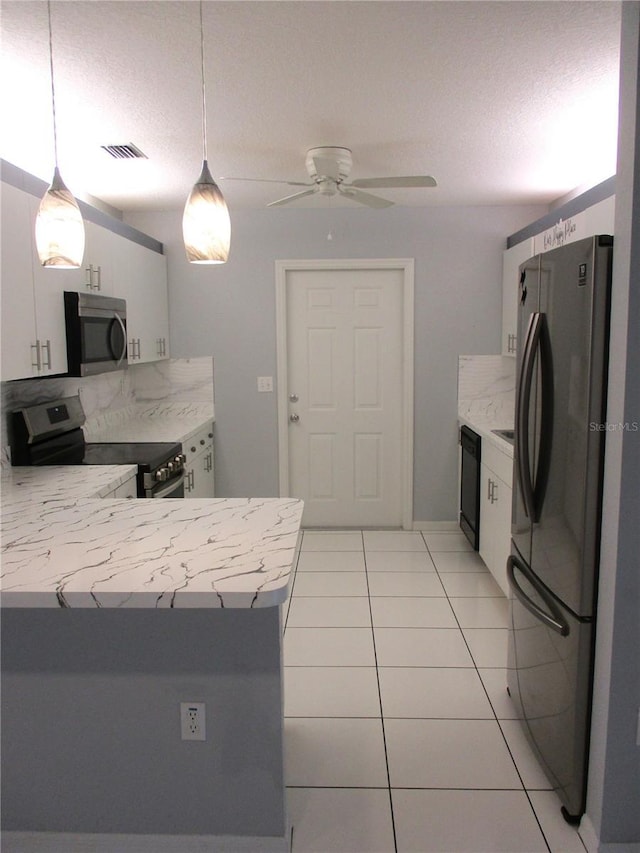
(344, 418)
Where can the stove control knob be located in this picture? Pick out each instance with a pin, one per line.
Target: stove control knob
(162, 474)
(170, 467)
(179, 461)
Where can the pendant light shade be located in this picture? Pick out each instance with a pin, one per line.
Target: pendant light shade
(59, 227)
(206, 227)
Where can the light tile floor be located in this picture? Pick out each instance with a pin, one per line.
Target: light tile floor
(399, 733)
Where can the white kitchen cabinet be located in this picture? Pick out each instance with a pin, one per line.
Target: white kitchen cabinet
(100, 248)
(141, 278)
(19, 334)
(495, 512)
(511, 260)
(199, 475)
(33, 333)
(33, 327)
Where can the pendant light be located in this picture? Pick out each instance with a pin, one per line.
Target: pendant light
(206, 228)
(59, 225)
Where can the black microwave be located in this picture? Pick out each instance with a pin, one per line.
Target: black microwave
(96, 333)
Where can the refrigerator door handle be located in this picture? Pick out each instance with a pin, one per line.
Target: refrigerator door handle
(537, 339)
(546, 417)
(554, 618)
(523, 402)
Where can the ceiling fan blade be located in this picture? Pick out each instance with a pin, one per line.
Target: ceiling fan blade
(271, 181)
(327, 167)
(364, 198)
(391, 183)
(289, 198)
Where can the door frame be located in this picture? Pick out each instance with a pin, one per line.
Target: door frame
(406, 266)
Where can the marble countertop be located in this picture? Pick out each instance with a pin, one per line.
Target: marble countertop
(70, 482)
(485, 431)
(148, 554)
(162, 421)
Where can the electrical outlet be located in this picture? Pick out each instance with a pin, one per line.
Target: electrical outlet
(265, 383)
(192, 721)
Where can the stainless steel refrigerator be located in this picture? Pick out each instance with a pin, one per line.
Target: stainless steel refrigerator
(560, 429)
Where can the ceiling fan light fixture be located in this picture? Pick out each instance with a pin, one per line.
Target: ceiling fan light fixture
(206, 226)
(59, 227)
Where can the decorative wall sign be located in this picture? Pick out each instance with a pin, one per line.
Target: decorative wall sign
(561, 233)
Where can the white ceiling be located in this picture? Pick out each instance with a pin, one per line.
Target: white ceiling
(503, 102)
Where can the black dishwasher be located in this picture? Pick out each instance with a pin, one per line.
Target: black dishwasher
(470, 442)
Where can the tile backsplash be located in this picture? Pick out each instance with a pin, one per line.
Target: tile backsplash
(184, 380)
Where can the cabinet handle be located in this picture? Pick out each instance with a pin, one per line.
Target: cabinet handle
(38, 363)
(46, 364)
(90, 270)
(488, 489)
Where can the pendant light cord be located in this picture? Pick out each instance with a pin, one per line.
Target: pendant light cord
(53, 89)
(204, 99)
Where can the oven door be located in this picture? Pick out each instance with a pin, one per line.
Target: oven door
(173, 488)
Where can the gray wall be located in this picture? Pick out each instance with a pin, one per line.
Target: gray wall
(229, 312)
(90, 722)
(614, 772)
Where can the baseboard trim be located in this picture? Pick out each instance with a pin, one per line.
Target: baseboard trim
(592, 842)
(437, 526)
(71, 842)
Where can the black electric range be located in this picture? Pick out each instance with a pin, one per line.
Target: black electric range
(51, 434)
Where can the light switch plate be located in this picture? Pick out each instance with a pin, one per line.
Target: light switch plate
(265, 383)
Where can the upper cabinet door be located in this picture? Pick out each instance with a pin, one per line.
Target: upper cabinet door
(19, 347)
(100, 247)
(511, 260)
(140, 277)
(49, 284)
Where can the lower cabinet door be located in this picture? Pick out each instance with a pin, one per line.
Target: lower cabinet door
(495, 525)
(199, 481)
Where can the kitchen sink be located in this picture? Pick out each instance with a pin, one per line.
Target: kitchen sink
(507, 434)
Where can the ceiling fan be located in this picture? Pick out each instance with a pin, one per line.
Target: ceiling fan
(329, 166)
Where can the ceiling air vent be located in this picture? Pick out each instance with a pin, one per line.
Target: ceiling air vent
(124, 152)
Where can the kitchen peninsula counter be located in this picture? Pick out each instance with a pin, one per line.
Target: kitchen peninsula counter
(114, 613)
(148, 554)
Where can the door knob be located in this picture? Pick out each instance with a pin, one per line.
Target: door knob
(294, 418)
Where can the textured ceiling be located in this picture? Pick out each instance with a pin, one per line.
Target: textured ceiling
(503, 102)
